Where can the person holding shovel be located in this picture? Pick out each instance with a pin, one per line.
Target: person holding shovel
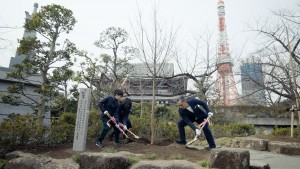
(190, 111)
(124, 111)
(110, 108)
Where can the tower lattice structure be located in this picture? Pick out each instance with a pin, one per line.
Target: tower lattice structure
(228, 93)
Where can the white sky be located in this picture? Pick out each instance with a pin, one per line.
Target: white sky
(192, 16)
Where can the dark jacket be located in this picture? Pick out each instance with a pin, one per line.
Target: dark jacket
(124, 111)
(111, 104)
(198, 115)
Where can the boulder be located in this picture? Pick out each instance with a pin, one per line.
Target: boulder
(284, 148)
(17, 154)
(259, 144)
(251, 143)
(232, 158)
(165, 164)
(30, 161)
(104, 160)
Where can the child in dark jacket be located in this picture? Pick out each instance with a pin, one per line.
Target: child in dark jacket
(124, 111)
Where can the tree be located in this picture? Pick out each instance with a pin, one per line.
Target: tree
(199, 66)
(42, 56)
(275, 56)
(90, 69)
(157, 46)
(116, 66)
(60, 78)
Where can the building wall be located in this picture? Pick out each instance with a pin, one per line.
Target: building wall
(252, 76)
(6, 109)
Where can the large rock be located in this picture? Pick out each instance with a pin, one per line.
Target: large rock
(252, 143)
(165, 164)
(259, 144)
(230, 158)
(17, 154)
(30, 161)
(104, 160)
(284, 148)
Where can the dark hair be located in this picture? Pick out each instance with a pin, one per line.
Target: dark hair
(118, 92)
(127, 103)
(182, 98)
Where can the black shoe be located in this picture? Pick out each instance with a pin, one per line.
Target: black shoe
(117, 143)
(180, 141)
(126, 141)
(209, 148)
(99, 144)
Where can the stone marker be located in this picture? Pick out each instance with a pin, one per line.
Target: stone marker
(82, 119)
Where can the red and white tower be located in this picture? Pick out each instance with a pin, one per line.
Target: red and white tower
(226, 84)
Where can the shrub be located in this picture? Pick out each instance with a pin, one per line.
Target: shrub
(62, 133)
(286, 132)
(141, 125)
(232, 130)
(17, 129)
(167, 130)
(2, 163)
(95, 124)
(238, 129)
(62, 129)
(297, 132)
(281, 131)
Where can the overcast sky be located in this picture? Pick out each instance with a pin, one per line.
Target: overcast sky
(191, 16)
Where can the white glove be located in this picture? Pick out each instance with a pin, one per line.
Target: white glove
(124, 127)
(210, 114)
(105, 112)
(198, 132)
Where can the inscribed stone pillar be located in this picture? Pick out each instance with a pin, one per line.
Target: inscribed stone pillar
(82, 119)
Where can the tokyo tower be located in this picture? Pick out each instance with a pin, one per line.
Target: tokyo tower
(226, 84)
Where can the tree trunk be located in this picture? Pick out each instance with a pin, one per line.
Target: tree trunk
(41, 112)
(153, 111)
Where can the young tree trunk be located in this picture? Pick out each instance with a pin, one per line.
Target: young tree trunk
(153, 111)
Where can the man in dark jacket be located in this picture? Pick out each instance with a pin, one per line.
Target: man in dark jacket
(110, 105)
(190, 112)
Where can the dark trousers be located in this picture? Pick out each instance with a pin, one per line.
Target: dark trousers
(208, 135)
(105, 130)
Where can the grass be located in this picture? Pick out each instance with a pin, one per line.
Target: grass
(178, 157)
(134, 159)
(203, 163)
(150, 156)
(75, 157)
(110, 150)
(223, 141)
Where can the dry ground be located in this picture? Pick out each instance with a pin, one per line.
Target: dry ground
(165, 149)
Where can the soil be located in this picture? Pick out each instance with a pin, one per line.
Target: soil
(162, 150)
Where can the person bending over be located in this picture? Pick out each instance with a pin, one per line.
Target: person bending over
(190, 112)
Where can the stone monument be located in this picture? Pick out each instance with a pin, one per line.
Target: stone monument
(82, 119)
